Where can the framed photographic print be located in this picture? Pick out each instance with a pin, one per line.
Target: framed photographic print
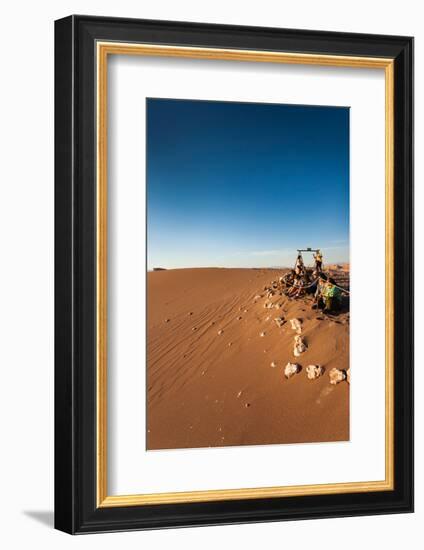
(233, 266)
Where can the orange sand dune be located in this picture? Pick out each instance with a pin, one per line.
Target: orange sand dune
(208, 389)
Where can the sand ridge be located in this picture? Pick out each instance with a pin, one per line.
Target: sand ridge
(210, 346)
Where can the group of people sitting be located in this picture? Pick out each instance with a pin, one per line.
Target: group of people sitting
(299, 282)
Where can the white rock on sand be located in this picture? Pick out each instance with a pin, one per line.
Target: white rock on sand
(348, 375)
(273, 365)
(299, 346)
(337, 376)
(296, 325)
(314, 371)
(291, 369)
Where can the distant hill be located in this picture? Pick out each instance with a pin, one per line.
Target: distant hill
(337, 267)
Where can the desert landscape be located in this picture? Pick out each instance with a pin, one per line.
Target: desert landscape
(221, 367)
(241, 350)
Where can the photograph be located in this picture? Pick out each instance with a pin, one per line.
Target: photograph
(233, 234)
(248, 274)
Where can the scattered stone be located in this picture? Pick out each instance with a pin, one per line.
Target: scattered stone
(299, 346)
(296, 325)
(348, 375)
(246, 310)
(194, 328)
(230, 344)
(257, 297)
(277, 306)
(314, 371)
(247, 405)
(279, 321)
(239, 318)
(220, 332)
(167, 320)
(273, 365)
(337, 376)
(203, 373)
(190, 313)
(239, 394)
(262, 334)
(267, 318)
(291, 369)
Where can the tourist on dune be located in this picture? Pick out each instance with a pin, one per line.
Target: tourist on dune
(318, 260)
(299, 260)
(319, 293)
(299, 267)
(332, 296)
(299, 270)
(312, 288)
(297, 289)
(287, 282)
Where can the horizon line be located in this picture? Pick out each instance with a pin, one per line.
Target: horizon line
(159, 268)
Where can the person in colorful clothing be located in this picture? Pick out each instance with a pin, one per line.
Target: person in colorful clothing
(332, 296)
(319, 296)
(318, 260)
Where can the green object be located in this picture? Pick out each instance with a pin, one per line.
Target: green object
(333, 292)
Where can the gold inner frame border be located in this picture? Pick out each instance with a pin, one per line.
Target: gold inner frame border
(103, 50)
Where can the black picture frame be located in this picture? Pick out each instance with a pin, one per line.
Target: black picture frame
(76, 510)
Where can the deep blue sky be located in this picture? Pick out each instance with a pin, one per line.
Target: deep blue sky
(245, 184)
